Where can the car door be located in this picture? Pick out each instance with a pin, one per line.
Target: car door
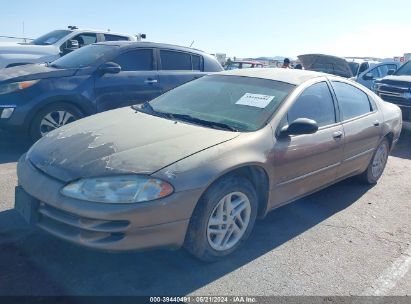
(367, 82)
(379, 71)
(136, 83)
(362, 124)
(384, 68)
(176, 68)
(304, 163)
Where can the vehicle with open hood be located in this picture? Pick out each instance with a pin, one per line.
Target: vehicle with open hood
(326, 64)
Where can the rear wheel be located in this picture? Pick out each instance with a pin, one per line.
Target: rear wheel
(53, 117)
(377, 163)
(223, 219)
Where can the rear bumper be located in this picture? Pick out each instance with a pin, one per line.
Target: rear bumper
(161, 223)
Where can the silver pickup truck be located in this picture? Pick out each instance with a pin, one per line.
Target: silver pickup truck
(53, 45)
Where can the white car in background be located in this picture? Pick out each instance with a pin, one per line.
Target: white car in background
(53, 45)
(359, 65)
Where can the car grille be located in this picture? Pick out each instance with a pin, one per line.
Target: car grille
(72, 226)
(394, 97)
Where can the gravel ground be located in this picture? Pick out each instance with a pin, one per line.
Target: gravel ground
(349, 239)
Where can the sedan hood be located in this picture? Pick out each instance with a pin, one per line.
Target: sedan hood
(326, 64)
(33, 71)
(121, 141)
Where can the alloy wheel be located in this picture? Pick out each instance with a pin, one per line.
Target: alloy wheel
(228, 221)
(379, 161)
(55, 120)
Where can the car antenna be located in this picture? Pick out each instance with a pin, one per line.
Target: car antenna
(73, 27)
(192, 42)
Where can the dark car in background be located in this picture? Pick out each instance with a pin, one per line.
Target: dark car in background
(396, 89)
(39, 98)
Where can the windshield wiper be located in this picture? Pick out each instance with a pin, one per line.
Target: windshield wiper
(148, 109)
(199, 121)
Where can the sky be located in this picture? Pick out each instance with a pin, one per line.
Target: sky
(241, 28)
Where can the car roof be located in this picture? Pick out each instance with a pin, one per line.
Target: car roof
(97, 31)
(292, 76)
(126, 44)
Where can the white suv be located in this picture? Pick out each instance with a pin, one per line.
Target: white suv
(53, 45)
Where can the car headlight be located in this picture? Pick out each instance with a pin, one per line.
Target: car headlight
(118, 189)
(16, 86)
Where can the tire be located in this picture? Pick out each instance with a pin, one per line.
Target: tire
(50, 115)
(377, 164)
(200, 240)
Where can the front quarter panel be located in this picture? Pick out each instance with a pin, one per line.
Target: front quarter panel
(202, 169)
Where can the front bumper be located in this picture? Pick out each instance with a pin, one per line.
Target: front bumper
(14, 121)
(113, 227)
(398, 99)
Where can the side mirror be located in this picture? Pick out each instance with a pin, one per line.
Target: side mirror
(368, 76)
(391, 72)
(109, 68)
(71, 45)
(300, 126)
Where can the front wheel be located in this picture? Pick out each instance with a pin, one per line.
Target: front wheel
(377, 163)
(53, 117)
(222, 220)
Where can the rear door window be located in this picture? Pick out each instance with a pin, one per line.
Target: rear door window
(353, 102)
(136, 60)
(196, 60)
(315, 103)
(109, 37)
(179, 61)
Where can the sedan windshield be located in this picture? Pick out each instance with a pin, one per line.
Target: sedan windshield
(404, 70)
(84, 57)
(239, 103)
(50, 38)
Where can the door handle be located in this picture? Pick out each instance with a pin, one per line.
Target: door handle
(150, 81)
(337, 135)
(376, 123)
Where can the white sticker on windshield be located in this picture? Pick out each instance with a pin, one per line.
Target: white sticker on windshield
(255, 100)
